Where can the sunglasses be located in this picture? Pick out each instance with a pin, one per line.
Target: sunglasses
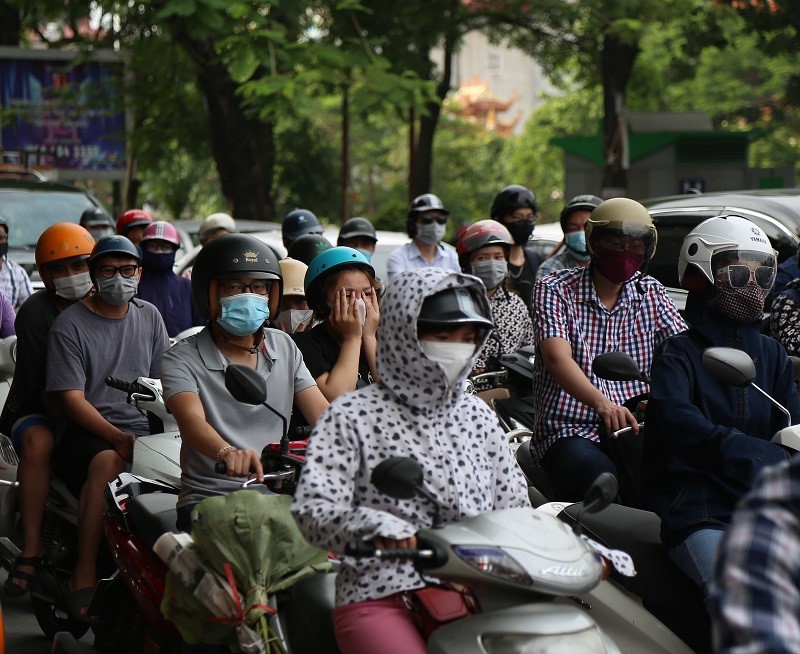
(739, 275)
(428, 220)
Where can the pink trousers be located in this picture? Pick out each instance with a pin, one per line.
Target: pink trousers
(382, 626)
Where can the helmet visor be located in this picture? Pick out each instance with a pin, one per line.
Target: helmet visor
(619, 236)
(738, 268)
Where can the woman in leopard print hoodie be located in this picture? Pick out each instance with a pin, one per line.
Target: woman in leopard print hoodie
(419, 410)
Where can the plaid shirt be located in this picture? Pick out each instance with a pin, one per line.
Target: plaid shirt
(15, 283)
(755, 598)
(566, 306)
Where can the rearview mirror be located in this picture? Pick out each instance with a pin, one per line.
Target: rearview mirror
(601, 493)
(729, 366)
(245, 384)
(617, 366)
(399, 477)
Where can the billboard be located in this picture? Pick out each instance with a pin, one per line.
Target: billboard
(62, 111)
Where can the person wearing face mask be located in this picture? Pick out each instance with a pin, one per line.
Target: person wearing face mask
(359, 234)
(97, 222)
(706, 442)
(609, 305)
(483, 251)
(572, 253)
(237, 286)
(433, 323)
(341, 288)
(108, 333)
(294, 315)
(168, 292)
(62, 259)
(14, 281)
(515, 208)
(426, 225)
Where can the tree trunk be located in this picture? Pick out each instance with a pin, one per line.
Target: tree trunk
(617, 61)
(243, 146)
(423, 159)
(345, 204)
(10, 24)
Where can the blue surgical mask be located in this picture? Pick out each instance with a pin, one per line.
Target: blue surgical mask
(366, 253)
(576, 242)
(243, 314)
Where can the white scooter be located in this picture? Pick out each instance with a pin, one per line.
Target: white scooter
(539, 586)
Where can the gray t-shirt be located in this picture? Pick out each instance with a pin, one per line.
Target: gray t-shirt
(84, 348)
(195, 365)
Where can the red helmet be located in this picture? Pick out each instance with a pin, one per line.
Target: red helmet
(483, 233)
(132, 218)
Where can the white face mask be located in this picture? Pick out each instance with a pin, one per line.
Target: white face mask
(74, 287)
(293, 320)
(361, 308)
(453, 357)
(431, 234)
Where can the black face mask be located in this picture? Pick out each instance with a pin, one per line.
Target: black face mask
(520, 231)
(3, 249)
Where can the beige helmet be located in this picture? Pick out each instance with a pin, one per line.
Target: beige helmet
(294, 273)
(625, 216)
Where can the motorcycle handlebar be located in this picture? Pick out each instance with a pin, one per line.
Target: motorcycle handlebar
(126, 387)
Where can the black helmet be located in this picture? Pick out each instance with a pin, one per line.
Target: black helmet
(356, 227)
(114, 244)
(510, 199)
(236, 255)
(308, 246)
(453, 307)
(420, 204)
(297, 223)
(579, 203)
(96, 217)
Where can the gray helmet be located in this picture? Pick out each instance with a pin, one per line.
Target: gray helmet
(420, 204)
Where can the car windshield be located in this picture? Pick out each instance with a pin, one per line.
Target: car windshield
(29, 213)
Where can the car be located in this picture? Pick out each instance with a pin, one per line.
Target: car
(545, 239)
(29, 204)
(387, 242)
(776, 211)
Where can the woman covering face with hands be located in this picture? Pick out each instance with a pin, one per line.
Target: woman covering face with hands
(339, 352)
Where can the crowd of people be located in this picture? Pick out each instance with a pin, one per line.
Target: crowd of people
(377, 367)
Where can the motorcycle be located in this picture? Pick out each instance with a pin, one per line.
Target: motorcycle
(539, 586)
(139, 510)
(155, 455)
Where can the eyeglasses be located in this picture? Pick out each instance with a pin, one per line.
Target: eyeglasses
(259, 287)
(740, 275)
(107, 272)
(428, 220)
(159, 248)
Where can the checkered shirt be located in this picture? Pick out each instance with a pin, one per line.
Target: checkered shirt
(755, 596)
(15, 283)
(566, 306)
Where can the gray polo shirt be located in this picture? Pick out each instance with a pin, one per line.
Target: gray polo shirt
(195, 365)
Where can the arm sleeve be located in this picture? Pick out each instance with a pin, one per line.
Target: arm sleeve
(394, 263)
(548, 310)
(510, 486)
(669, 319)
(785, 322)
(176, 377)
(693, 437)
(65, 361)
(160, 343)
(323, 504)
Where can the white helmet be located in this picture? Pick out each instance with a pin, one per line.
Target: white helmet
(733, 234)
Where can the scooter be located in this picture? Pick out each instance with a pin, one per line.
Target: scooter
(538, 585)
(156, 455)
(139, 510)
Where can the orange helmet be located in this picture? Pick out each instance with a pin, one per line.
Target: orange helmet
(62, 241)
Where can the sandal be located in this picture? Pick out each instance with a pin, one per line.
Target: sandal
(77, 602)
(16, 590)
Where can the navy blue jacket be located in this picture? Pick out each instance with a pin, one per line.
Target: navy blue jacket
(705, 442)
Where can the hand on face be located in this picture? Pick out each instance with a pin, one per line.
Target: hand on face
(373, 314)
(345, 319)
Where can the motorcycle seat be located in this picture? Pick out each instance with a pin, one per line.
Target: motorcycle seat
(152, 515)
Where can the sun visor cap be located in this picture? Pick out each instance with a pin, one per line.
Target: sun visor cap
(453, 306)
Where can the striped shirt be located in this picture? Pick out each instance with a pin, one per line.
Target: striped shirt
(566, 306)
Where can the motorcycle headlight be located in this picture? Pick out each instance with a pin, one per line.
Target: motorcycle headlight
(495, 562)
(589, 641)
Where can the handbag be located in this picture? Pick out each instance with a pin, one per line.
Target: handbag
(435, 606)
